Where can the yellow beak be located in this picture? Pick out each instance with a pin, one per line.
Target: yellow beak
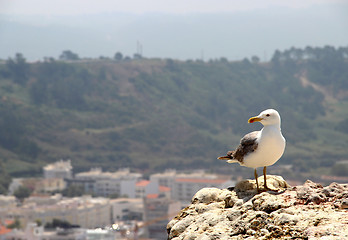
(254, 119)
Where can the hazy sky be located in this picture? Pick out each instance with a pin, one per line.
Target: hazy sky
(180, 29)
(73, 7)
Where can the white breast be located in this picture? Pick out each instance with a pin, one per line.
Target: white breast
(271, 145)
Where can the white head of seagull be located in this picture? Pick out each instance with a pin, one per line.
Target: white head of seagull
(267, 118)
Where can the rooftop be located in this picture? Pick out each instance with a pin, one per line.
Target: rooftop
(60, 165)
(164, 189)
(142, 183)
(98, 173)
(3, 226)
(199, 173)
(152, 196)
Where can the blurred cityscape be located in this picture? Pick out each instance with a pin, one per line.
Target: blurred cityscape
(106, 205)
(98, 204)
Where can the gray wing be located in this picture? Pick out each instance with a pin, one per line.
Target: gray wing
(247, 145)
(249, 138)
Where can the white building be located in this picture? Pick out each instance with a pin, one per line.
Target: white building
(43, 200)
(121, 182)
(86, 211)
(61, 169)
(50, 185)
(145, 187)
(166, 178)
(34, 232)
(158, 211)
(7, 202)
(124, 209)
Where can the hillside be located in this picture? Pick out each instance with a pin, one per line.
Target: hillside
(160, 113)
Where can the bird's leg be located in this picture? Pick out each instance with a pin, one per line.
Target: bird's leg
(264, 178)
(265, 181)
(257, 182)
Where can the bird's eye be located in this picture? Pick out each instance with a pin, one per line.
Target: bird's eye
(267, 115)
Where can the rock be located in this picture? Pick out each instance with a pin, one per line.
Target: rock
(247, 188)
(309, 211)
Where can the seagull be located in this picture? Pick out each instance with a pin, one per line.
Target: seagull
(260, 148)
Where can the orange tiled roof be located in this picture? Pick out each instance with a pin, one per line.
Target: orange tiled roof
(8, 222)
(142, 183)
(4, 230)
(164, 189)
(152, 196)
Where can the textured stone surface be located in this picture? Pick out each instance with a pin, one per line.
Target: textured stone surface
(310, 211)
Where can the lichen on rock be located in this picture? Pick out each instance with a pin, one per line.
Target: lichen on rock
(309, 211)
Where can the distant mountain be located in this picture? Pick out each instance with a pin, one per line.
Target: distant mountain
(156, 114)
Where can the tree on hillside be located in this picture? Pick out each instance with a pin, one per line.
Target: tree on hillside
(118, 56)
(137, 56)
(340, 168)
(18, 69)
(342, 126)
(13, 132)
(68, 55)
(15, 225)
(255, 59)
(22, 192)
(58, 223)
(60, 84)
(276, 57)
(73, 191)
(11, 127)
(5, 179)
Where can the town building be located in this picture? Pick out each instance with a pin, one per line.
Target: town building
(86, 212)
(38, 185)
(145, 187)
(4, 229)
(127, 209)
(61, 169)
(165, 192)
(42, 200)
(158, 211)
(7, 202)
(119, 183)
(34, 232)
(50, 185)
(166, 178)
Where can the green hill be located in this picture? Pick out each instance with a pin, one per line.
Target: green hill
(162, 113)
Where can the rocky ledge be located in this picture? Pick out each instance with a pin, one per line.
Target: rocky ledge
(310, 211)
